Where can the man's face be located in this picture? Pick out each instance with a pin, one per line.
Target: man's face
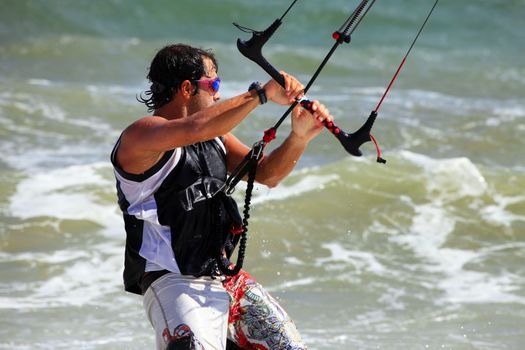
(206, 96)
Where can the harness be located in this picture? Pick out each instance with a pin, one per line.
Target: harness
(203, 220)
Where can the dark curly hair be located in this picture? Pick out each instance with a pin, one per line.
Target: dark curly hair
(169, 68)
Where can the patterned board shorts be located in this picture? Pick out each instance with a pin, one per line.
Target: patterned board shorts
(199, 313)
(256, 320)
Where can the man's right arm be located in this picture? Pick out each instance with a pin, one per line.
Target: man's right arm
(144, 142)
(157, 134)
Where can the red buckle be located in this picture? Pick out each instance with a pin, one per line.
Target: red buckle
(269, 135)
(236, 230)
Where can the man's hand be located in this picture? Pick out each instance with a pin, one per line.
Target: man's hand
(306, 125)
(293, 89)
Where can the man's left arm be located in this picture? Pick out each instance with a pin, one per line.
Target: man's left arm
(274, 167)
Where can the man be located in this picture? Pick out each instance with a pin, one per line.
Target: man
(179, 226)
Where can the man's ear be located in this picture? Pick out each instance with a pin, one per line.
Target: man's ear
(187, 89)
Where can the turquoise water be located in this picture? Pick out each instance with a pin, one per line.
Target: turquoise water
(425, 252)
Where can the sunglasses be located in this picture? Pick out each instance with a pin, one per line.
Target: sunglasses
(212, 84)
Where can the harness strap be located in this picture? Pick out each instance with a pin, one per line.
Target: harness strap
(250, 160)
(247, 166)
(251, 169)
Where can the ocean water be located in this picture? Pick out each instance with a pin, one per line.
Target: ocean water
(425, 252)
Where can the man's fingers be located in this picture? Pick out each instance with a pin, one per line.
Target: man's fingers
(320, 112)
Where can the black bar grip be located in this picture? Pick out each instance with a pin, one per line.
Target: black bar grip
(334, 129)
(350, 141)
(252, 49)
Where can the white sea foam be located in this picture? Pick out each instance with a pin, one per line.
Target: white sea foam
(26, 103)
(497, 214)
(294, 283)
(505, 114)
(77, 278)
(306, 184)
(120, 90)
(81, 282)
(499, 112)
(52, 111)
(40, 82)
(392, 297)
(39, 160)
(467, 286)
(446, 181)
(341, 257)
(51, 258)
(292, 260)
(449, 179)
(507, 74)
(430, 228)
(65, 193)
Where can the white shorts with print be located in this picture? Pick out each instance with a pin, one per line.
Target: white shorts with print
(205, 311)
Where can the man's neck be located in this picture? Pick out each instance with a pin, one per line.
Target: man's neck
(172, 110)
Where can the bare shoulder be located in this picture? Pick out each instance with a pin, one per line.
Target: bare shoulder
(133, 153)
(141, 130)
(143, 124)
